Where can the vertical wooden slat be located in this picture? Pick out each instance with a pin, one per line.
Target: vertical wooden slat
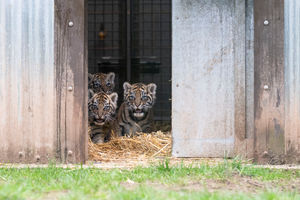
(244, 83)
(269, 80)
(71, 87)
(239, 79)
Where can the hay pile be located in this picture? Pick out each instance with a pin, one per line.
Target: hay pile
(139, 146)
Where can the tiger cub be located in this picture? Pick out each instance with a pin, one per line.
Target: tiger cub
(135, 113)
(101, 82)
(101, 115)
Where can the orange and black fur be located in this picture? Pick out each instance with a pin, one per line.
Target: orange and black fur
(135, 113)
(101, 82)
(101, 111)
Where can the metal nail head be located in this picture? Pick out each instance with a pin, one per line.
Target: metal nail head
(266, 22)
(70, 153)
(266, 87)
(38, 158)
(71, 24)
(70, 88)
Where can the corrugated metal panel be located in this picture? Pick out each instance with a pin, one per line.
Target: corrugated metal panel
(292, 75)
(27, 80)
(208, 66)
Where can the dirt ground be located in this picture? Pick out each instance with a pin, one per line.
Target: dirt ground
(236, 184)
(145, 162)
(129, 163)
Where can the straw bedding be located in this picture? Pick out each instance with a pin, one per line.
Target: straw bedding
(140, 146)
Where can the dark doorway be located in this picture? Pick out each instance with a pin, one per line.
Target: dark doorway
(133, 39)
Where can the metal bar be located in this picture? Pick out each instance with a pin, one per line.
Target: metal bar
(170, 61)
(112, 26)
(128, 37)
(95, 37)
(103, 53)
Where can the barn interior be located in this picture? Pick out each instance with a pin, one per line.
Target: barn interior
(132, 38)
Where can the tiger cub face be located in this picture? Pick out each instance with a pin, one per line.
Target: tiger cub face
(139, 98)
(102, 108)
(101, 82)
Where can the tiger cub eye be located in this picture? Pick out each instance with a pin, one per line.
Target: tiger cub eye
(106, 108)
(145, 98)
(94, 107)
(131, 98)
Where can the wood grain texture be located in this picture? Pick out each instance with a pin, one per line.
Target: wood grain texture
(71, 66)
(244, 82)
(269, 72)
(240, 145)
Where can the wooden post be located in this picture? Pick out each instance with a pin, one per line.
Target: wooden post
(71, 85)
(269, 81)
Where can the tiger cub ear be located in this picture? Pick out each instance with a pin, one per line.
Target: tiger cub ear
(114, 97)
(126, 87)
(152, 88)
(91, 93)
(90, 77)
(111, 77)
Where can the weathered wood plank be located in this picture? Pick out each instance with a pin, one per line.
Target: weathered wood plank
(269, 80)
(244, 137)
(72, 86)
(240, 145)
(249, 146)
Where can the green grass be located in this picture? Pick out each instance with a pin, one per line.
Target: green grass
(91, 183)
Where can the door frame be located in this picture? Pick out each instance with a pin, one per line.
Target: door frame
(70, 29)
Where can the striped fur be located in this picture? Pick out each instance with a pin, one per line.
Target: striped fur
(101, 82)
(101, 110)
(135, 113)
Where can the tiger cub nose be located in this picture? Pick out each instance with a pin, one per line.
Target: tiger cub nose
(140, 107)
